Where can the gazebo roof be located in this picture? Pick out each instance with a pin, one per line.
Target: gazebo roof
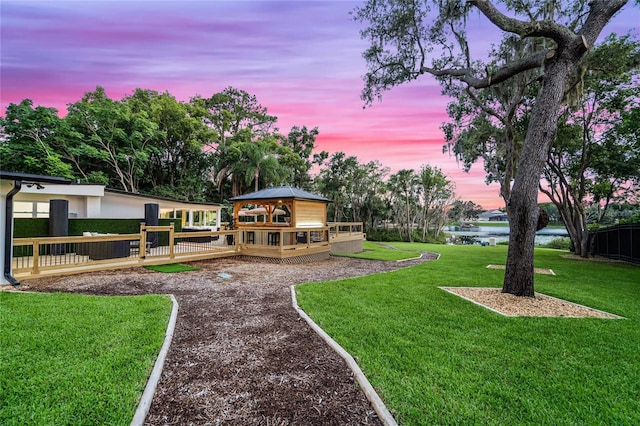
(287, 192)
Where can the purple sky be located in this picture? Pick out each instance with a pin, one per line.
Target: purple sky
(302, 60)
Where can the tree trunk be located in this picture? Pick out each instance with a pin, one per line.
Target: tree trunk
(584, 245)
(523, 202)
(409, 221)
(541, 131)
(256, 177)
(580, 235)
(573, 216)
(425, 224)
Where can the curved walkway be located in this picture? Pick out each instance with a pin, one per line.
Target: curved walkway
(240, 353)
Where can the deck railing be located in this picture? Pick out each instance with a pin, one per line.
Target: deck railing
(153, 245)
(346, 229)
(161, 244)
(280, 242)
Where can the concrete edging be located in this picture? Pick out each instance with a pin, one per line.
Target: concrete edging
(154, 377)
(378, 405)
(411, 258)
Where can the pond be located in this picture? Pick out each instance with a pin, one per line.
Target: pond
(483, 234)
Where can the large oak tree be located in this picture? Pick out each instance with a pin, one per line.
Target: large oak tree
(411, 38)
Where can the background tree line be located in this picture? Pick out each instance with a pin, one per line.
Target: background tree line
(210, 149)
(148, 142)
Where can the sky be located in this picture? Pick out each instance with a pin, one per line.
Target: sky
(301, 59)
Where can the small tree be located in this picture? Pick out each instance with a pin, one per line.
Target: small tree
(436, 193)
(590, 160)
(403, 185)
(111, 134)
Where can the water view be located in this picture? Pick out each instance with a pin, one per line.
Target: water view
(497, 234)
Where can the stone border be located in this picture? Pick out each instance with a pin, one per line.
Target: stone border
(154, 377)
(611, 316)
(378, 405)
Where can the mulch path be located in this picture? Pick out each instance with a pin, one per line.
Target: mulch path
(240, 353)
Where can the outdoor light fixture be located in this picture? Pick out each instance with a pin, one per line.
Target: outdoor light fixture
(31, 184)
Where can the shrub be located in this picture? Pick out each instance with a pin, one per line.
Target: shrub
(382, 234)
(429, 238)
(563, 243)
(386, 235)
(631, 219)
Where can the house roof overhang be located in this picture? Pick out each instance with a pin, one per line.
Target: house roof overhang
(26, 177)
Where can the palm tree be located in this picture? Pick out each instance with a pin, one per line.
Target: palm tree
(258, 160)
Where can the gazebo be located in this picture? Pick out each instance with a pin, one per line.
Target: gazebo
(294, 223)
(297, 208)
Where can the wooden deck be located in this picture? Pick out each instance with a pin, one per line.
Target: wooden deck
(43, 256)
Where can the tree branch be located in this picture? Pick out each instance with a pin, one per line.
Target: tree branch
(546, 28)
(509, 70)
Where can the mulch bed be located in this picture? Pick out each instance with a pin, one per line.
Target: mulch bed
(240, 353)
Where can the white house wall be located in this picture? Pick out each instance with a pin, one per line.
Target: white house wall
(122, 206)
(93, 201)
(77, 205)
(84, 200)
(93, 207)
(117, 206)
(57, 191)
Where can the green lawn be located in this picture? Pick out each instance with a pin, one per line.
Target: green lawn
(378, 251)
(438, 359)
(171, 268)
(76, 360)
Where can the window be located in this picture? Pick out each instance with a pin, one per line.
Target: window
(30, 209)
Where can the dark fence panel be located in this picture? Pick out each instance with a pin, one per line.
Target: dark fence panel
(617, 242)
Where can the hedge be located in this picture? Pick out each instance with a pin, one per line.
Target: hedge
(28, 227)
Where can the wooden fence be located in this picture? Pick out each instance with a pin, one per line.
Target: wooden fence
(64, 255)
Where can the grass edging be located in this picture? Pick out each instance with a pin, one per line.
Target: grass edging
(378, 405)
(411, 258)
(154, 377)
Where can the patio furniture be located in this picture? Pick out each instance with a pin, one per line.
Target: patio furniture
(101, 250)
(109, 250)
